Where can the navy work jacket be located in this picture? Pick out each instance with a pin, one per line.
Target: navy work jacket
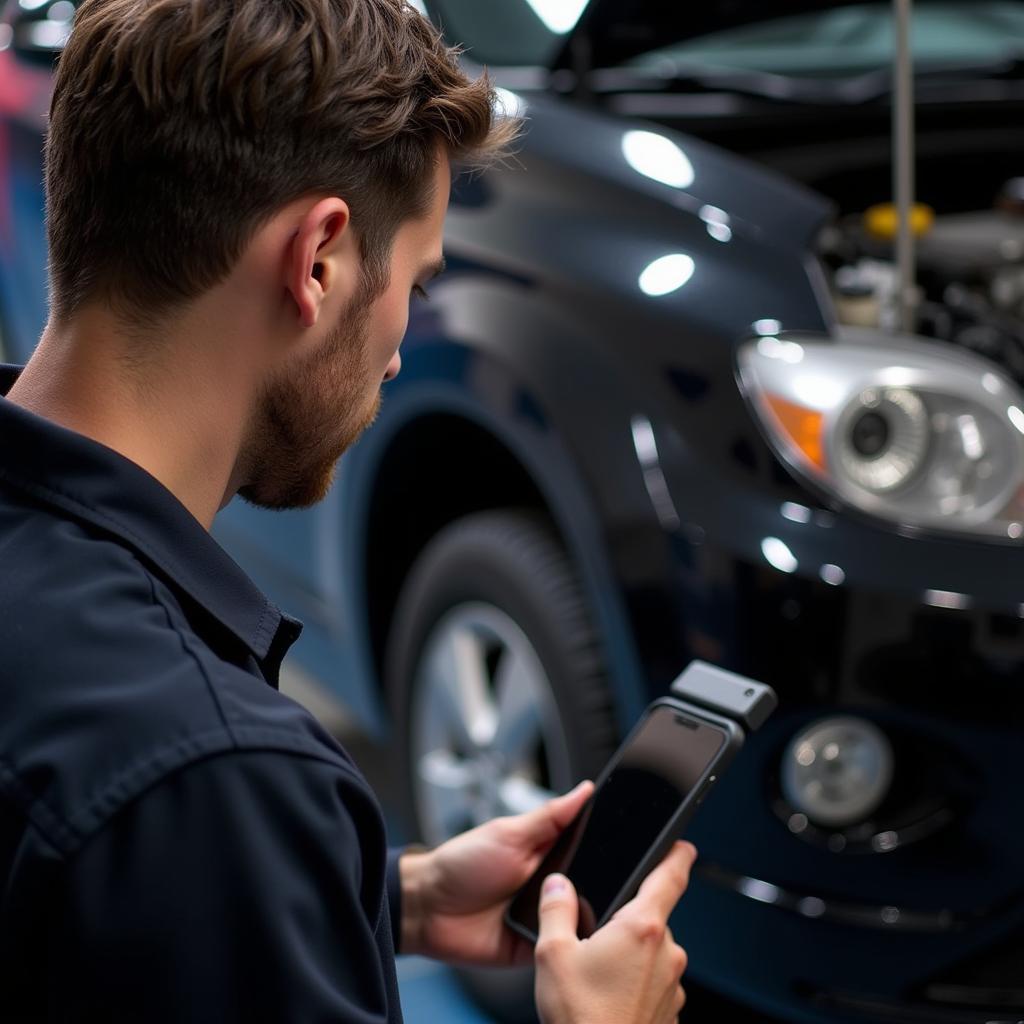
(179, 842)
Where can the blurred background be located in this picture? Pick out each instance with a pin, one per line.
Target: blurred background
(727, 364)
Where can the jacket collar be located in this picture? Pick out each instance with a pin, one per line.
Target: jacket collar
(97, 485)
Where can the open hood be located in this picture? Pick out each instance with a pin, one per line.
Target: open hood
(550, 32)
(613, 31)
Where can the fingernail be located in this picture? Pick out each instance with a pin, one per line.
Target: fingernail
(570, 793)
(554, 885)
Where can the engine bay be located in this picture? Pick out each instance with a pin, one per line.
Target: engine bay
(970, 274)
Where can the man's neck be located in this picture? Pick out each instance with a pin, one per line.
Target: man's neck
(169, 410)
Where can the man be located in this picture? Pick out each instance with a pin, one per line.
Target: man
(242, 195)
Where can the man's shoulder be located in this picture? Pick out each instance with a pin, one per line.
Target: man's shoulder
(105, 687)
(75, 608)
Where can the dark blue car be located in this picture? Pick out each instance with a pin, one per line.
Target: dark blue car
(659, 409)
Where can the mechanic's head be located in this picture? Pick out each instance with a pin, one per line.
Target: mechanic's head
(288, 161)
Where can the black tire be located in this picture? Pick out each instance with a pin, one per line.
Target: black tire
(512, 560)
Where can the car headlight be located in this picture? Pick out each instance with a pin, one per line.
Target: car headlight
(899, 427)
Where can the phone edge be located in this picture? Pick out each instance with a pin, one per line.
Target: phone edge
(734, 742)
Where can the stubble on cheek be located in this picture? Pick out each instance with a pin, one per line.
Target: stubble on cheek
(305, 422)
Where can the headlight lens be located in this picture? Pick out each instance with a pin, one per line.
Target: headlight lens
(898, 427)
(884, 440)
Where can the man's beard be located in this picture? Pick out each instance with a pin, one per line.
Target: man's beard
(306, 419)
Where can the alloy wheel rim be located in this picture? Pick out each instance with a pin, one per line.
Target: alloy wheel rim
(486, 736)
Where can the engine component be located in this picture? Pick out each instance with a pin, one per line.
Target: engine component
(882, 221)
(970, 246)
(971, 276)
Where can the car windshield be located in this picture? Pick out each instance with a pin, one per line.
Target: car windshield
(834, 41)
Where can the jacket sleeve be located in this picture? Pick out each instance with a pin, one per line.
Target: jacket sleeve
(394, 884)
(248, 887)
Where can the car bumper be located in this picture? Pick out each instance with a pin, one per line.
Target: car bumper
(917, 913)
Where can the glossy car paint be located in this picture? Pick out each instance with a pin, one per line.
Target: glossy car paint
(541, 373)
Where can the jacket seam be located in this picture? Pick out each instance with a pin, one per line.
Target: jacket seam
(187, 647)
(285, 747)
(97, 518)
(67, 836)
(55, 829)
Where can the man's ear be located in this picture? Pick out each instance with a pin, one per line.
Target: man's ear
(323, 255)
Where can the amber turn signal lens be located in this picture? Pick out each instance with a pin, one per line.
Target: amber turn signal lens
(803, 427)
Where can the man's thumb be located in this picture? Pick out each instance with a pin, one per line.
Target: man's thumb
(559, 908)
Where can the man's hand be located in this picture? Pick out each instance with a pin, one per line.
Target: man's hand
(454, 897)
(628, 971)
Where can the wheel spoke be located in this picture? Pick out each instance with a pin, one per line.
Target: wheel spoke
(519, 722)
(460, 680)
(441, 769)
(486, 733)
(519, 795)
(448, 783)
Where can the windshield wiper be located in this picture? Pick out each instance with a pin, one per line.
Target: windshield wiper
(859, 87)
(873, 84)
(766, 85)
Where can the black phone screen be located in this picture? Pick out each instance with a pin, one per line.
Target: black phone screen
(651, 778)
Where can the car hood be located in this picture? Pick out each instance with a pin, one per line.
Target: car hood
(616, 30)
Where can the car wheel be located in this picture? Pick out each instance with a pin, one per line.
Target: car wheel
(499, 689)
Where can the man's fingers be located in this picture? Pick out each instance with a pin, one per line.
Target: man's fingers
(540, 827)
(663, 888)
(558, 913)
(564, 808)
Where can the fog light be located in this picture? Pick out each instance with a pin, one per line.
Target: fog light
(837, 771)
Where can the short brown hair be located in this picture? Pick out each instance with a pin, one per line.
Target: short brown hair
(178, 127)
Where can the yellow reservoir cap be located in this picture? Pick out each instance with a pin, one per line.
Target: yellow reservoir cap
(882, 221)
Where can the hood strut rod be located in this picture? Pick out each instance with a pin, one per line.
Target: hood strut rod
(903, 166)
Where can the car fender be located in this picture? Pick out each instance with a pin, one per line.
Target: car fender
(436, 382)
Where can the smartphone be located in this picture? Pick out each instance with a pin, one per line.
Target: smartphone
(642, 801)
